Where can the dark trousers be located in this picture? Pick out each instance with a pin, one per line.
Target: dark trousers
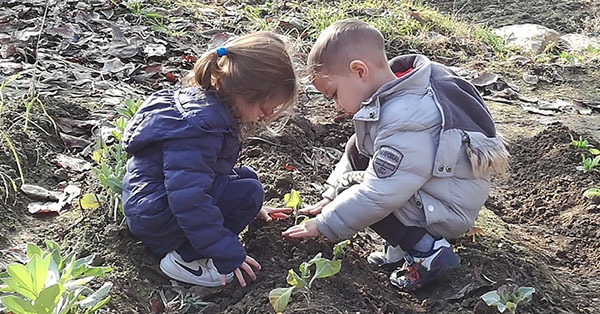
(239, 196)
(389, 228)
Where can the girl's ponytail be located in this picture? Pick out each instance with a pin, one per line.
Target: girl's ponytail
(205, 71)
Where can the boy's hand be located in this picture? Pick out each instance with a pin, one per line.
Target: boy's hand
(307, 229)
(315, 209)
(248, 266)
(270, 213)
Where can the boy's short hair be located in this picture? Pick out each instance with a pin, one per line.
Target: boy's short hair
(344, 41)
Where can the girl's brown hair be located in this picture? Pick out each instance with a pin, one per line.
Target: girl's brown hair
(256, 68)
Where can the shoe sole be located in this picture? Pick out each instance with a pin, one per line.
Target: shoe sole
(174, 275)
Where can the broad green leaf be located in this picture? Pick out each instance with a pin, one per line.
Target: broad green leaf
(280, 297)
(98, 296)
(294, 280)
(594, 151)
(38, 268)
(316, 258)
(526, 292)
(591, 192)
(88, 201)
(53, 272)
(103, 302)
(15, 286)
(491, 298)
(17, 305)
(115, 184)
(327, 268)
(21, 277)
(71, 284)
(48, 298)
(33, 249)
(501, 307)
(292, 199)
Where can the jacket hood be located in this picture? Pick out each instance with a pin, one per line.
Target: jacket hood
(177, 114)
(467, 110)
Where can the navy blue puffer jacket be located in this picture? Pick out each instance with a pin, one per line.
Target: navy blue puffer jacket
(182, 144)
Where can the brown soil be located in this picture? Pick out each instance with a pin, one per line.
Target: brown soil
(539, 229)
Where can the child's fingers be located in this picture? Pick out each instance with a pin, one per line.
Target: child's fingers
(279, 215)
(252, 262)
(240, 277)
(278, 209)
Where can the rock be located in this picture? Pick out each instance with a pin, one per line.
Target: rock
(577, 43)
(530, 37)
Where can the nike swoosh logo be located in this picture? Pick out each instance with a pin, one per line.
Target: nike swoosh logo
(195, 272)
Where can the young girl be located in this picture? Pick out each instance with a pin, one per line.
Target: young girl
(182, 196)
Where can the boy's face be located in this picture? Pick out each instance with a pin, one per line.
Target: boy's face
(347, 90)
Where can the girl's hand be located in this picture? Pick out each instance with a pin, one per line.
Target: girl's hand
(249, 266)
(316, 208)
(307, 229)
(270, 213)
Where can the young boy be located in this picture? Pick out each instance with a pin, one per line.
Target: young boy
(417, 170)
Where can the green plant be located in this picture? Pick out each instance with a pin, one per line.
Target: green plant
(507, 297)
(588, 163)
(580, 144)
(111, 158)
(280, 297)
(52, 283)
(294, 201)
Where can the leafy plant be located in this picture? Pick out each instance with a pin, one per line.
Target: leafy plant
(280, 297)
(111, 158)
(294, 201)
(52, 283)
(591, 192)
(580, 144)
(507, 297)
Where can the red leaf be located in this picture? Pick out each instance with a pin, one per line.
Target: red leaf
(289, 168)
(171, 77)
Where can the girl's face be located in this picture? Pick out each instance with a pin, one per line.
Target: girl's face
(260, 112)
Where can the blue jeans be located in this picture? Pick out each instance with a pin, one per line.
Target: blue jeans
(239, 196)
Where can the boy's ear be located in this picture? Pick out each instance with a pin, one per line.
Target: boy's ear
(359, 68)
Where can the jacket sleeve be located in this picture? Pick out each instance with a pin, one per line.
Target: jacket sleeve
(341, 167)
(383, 191)
(189, 177)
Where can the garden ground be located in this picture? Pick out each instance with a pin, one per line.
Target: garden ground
(539, 230)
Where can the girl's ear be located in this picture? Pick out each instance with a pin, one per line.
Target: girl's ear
(359, 68)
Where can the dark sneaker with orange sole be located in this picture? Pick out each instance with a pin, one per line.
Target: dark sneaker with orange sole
(421, 268)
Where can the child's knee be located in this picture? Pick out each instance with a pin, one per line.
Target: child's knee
(245, 172)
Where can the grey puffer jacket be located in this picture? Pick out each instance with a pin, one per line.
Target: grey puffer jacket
(432, 144)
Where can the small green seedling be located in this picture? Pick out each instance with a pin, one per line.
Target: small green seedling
(589, 163)
(280, 297)
(580, 144)
(591, 192)
(507, 297)
(294, 201)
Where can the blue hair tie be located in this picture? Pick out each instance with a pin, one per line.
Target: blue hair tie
(221, 51)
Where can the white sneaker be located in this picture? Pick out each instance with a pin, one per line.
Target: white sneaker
(390, 255)
(200, 272)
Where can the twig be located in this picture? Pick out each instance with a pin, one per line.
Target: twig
(256, 138)
(37, 46)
